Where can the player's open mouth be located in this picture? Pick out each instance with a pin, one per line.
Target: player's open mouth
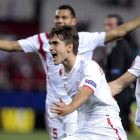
(54, 56)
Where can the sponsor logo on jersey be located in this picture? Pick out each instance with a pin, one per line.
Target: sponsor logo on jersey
(90, 82)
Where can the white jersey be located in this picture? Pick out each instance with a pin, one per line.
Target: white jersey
(40, 45)
(135, 69)
(88, 73)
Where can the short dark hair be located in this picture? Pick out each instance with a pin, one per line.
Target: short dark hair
(68, 34)
(69, 8)
(118, 17)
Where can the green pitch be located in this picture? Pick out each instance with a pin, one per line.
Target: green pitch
(36, 135)
(40, 135)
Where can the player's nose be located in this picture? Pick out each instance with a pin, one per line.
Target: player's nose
(50, 48)
(59, 21)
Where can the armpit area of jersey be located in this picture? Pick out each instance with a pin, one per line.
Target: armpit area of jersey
(135, 68)
(138, 128)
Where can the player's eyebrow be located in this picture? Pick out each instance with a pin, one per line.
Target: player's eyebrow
(53, 42)
(64, 16)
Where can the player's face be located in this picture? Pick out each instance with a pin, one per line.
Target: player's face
(58, 50)
(110, 23)
(64, 17)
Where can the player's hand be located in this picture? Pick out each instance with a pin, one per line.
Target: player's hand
(62, 109)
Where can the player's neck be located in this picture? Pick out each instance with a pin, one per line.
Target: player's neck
(69, 63)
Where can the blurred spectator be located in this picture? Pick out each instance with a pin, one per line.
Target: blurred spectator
(124, 3)
(25, 74)
(131, 39)
(119, 57)
(99, 56)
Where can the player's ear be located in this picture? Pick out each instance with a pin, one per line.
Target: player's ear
(74, 21)
(70, 47)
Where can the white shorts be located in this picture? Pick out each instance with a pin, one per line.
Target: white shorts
(63, 126)
(108, 129)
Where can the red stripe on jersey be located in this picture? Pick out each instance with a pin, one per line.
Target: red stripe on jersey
(113, 97)
(47, 35)
(89, 87)
(71, 73)
(41, 47)
(109, 122)
(139, 55)
(60, 72)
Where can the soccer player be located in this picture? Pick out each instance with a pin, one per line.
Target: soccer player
(85, 83)
(65, 15)
(126, 79)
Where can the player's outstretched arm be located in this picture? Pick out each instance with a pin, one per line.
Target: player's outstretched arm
(10, 46)
(119, 84)
(122, 30)
(62, 109)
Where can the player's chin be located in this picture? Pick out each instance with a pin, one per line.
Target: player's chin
(56, 63)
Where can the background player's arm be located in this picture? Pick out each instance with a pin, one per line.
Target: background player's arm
(62, 109)
(10, 46)
(122, 30)
(119, 84)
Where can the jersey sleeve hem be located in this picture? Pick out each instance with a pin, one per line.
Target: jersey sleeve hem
(104, 35)
(135, 68)
(20, 43)
(89, 87)
(134, 73)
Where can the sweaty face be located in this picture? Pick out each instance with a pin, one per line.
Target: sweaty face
(58, 50)
(64, 17)
(110, 23)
